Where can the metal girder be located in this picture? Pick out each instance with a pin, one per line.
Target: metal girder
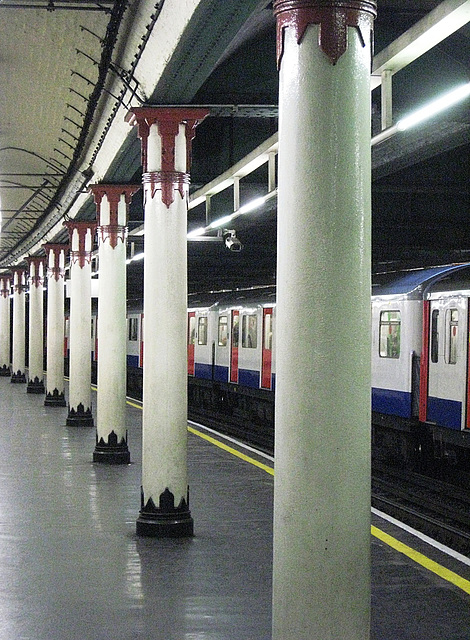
(435, 27)
(69, 5)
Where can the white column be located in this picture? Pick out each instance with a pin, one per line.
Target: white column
(321, 566)
(5, 286)
(112, 202)
(19, 327)
(81, 244)
(36, 331)
(55, 385)
(166, 134)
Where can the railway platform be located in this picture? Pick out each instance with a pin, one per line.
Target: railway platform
(72, 568)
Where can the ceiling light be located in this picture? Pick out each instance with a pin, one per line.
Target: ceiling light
(253, 204)
(221, 222)
(434, 107)
(195, 233)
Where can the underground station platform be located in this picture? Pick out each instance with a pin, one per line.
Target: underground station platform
(72, 567)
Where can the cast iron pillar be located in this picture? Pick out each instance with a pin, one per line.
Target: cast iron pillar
(166, 134)
(5, 286)
(55, 386)
(81, 244)
(19, 327)
(36, 331)
(321, 567)
(112, 205)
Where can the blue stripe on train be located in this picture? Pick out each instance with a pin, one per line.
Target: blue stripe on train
(391, 402)
(246, 377)
(133, 361)
(445, 413)
(249, 378)
(203, 370)
(220, 373)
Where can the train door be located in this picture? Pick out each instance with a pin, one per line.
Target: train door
(267, 349)
(66, 336)
(234, 334)
(94, 338)
(141, 352)
(447, 356)
(191, 341)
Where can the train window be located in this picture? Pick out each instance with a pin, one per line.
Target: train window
(249, 331)
(202, 330)
(235, 323)
(389, 334)
(192, 330)
(92, 328)
(434, 336)
(268, 332)
(452, 332)
(133, 326)
(223, 331)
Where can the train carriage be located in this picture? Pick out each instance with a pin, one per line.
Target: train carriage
(444, 399)
(420, 362)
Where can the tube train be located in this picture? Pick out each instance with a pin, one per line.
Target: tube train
(420, 364)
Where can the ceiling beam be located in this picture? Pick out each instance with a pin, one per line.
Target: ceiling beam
(436, 26)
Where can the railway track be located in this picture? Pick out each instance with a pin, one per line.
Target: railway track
(438, 509)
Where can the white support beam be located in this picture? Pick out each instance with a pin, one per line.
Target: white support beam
(436, 26)
(248, 164)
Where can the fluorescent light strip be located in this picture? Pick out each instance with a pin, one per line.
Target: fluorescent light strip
(434, 107)
(424, 113)
(137, 256)
(223, 222)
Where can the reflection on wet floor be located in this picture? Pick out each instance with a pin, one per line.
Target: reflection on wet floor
(71, 566)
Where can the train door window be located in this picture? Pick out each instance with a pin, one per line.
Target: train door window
(434, 335)
(192, 329)
(133, 327)
(268, 332)
(389, 334)
(452, 322)
(249, 331)
(202, 330)
(223, 331)
(235, 329)
(92, 328)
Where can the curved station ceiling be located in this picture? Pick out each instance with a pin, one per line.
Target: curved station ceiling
(71, 70)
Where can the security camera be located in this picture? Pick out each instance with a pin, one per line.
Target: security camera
(231, 240)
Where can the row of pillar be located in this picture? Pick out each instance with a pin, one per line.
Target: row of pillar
(111, 440)
(55, 254)
(321, 582)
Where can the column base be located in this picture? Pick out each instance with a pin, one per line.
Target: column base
(167, 521)
(5, 371)
(18, 378)
(79, 417)
(111, 452)
(36, 386)
(55, 399)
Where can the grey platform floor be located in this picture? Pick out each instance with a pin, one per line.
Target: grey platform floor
(72, 568)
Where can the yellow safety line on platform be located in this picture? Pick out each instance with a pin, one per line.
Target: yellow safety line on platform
(421, 559)
(234, 452)
(389, 540)
(132, 404)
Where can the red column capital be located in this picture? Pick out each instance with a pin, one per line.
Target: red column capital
(168, 121)
(81, 234)
(5, 285)
(19, 279)
(113, 192)
(57, 270)
(34, 264)
(333, 16)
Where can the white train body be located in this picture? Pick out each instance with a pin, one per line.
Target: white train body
(420, 359)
